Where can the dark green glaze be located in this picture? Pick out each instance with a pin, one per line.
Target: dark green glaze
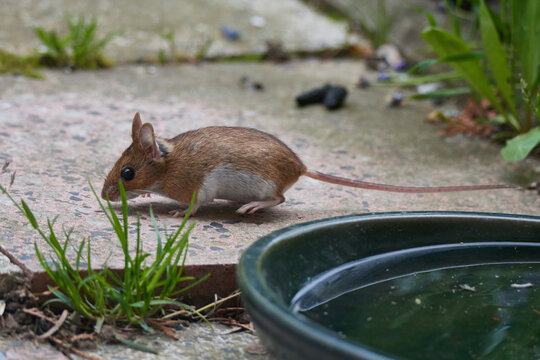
(277, 266)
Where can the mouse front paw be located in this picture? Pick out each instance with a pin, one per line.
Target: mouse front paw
(181, 213)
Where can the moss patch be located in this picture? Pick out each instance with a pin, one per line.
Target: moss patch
(19, 65)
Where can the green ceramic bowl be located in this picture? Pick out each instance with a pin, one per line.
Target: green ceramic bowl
(433, 267)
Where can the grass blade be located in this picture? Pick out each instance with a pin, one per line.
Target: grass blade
(496, 57)
(442, 93)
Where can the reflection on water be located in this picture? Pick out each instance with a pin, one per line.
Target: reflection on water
(487, 311)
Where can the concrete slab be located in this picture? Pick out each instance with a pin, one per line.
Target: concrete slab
(141, 23)
(66, 130)
(198, 341)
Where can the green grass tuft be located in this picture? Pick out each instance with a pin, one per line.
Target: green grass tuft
(140, 293)
(79, 49)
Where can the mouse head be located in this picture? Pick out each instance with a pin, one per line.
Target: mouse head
(140, 166)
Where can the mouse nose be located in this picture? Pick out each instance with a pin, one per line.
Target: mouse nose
(111, 191)
(103, 193)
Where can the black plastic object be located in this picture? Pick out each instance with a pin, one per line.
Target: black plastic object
(335, 97)
(275, 270)
(331, 96)
(313, 96)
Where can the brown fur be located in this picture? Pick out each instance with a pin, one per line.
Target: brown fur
(194, 154)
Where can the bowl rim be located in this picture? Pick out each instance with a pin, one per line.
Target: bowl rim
(255, 291)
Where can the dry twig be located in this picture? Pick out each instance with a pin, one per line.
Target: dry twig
(56, 326)
(74, 350)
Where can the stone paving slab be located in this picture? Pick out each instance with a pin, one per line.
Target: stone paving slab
(291, 22)
(70, 128)
(59, 133)
(198, 341)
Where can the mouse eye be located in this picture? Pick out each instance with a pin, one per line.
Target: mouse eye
(127, 173)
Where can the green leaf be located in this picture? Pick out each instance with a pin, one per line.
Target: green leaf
(29, 215)
(519, 147)
(429, 16)
(496, 57)
(446, 44)
(527, 37)
(422, 65)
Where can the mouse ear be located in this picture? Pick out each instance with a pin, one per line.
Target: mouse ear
(136, 127)
(147, 141)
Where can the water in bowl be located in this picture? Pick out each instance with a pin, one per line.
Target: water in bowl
(475, 310)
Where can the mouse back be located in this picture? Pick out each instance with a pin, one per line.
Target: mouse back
(245, 150)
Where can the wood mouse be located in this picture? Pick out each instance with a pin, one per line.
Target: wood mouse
(237, 164)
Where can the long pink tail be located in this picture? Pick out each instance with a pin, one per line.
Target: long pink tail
(403, 189)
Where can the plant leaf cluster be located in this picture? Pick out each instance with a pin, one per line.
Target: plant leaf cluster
(139, 292)
(80, 48)
(503, 67)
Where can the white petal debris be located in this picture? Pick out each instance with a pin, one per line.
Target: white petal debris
(521, 286)
(467, 287)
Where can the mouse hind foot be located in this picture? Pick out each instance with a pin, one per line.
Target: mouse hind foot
(253, 206)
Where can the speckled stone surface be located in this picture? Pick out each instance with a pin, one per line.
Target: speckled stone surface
(198, 341)
(140, 25)
(59, 133)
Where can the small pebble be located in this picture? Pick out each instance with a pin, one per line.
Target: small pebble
(383, 76)
(246, 82)
(230, 33)
(396, 101)
(257, 21)
(363, 83)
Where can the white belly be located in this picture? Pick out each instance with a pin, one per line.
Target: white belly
(224, 182)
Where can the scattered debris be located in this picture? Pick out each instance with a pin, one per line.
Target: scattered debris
(383, 76)
(392, 57)
(427, 88)
(257, 21)
(247, 83)
(275, 52)
(535, 185)
(396, 100)
(230, 33)
(521, 286)
(363, 83)
(467, 287)
(467, 122)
